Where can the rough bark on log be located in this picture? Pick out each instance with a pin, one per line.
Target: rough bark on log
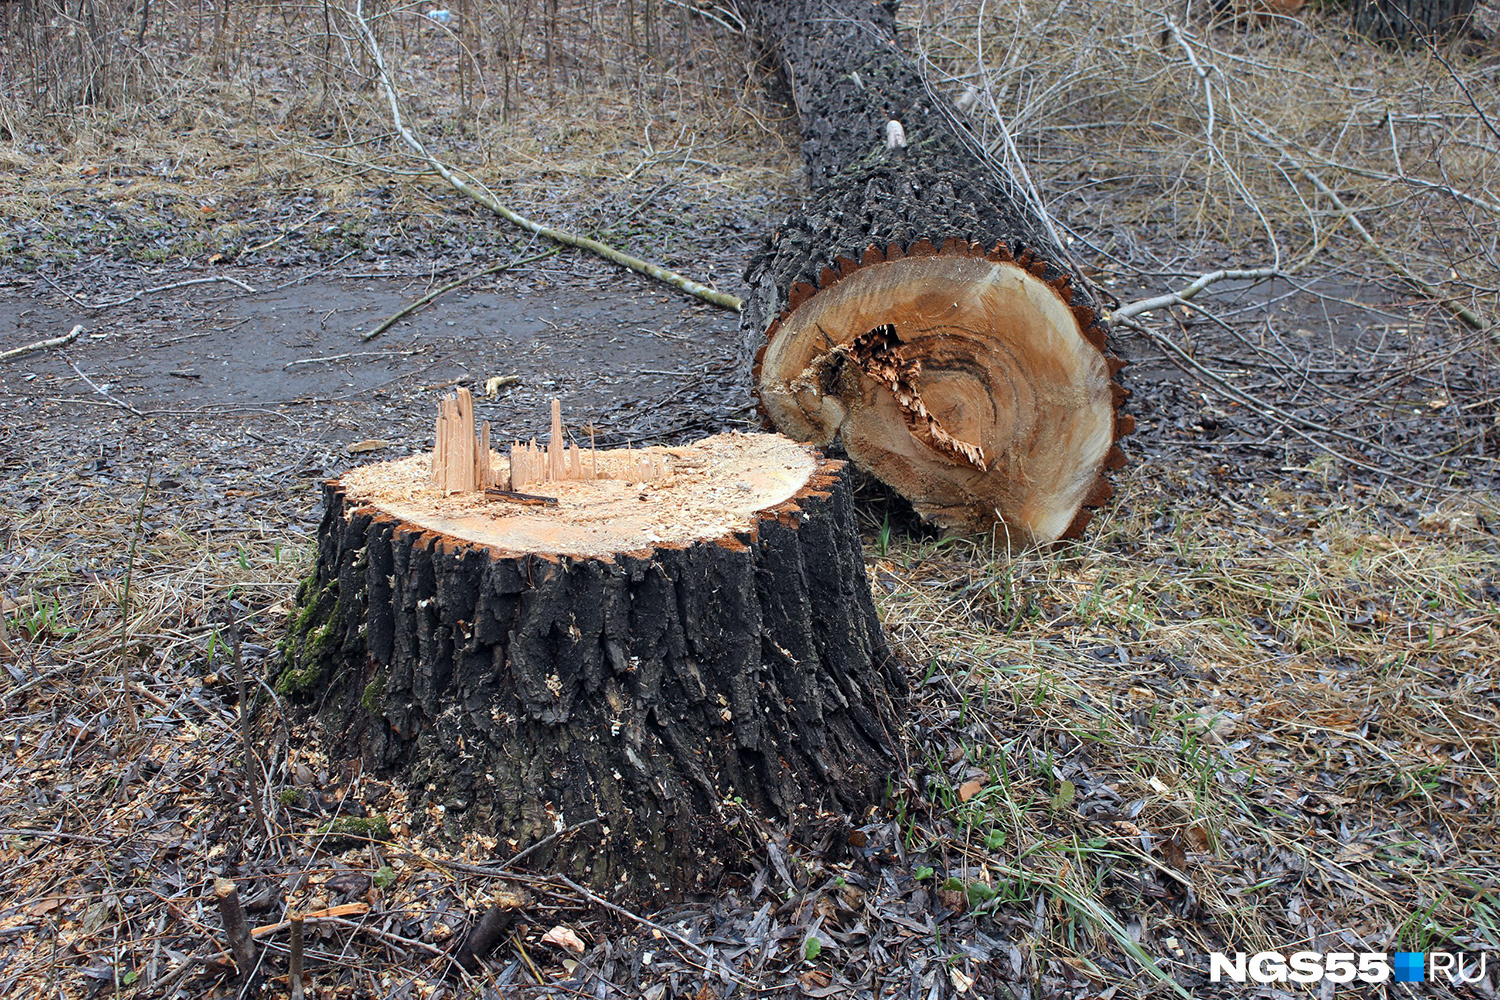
(990, 400)
(661, 687)
(1406, 20)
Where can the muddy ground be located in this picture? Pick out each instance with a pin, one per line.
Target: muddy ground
(265, 361)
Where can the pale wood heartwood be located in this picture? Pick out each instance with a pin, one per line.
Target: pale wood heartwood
(462, 463)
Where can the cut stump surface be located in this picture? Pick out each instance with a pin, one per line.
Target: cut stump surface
(919, 309)
(965, 383)
(663, 657)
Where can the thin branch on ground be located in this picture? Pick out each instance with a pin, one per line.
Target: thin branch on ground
(110, 303)
(412, 307)
(1301, 426)
(112, 401)
(1460, 311)
(1186, 294)
(599, 900)
(41, 345)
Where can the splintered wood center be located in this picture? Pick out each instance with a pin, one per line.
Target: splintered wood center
(643, 498)
(964, 383)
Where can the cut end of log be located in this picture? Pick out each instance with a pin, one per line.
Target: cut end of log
(628, 500)
(967, 383)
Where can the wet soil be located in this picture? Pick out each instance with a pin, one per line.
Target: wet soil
(211, 379)
(219, 389)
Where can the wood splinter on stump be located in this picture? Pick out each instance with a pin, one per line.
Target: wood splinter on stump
(918, 310)
(659, 653)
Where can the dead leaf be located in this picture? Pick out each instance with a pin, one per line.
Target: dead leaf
(961, 982)
(95, 916)
(563, 937)
(953, 899)
(367, 445)
(1354, 853)
(969, 789)
(46, 906)
(814, 979)
(1173, 852)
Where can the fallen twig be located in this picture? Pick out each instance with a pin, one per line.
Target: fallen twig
(329, 359)
(41, 345)
(108, 303)
(1300, 426)
(83, 838)
(1460, 311)
(285, 233)
(40, 678)
(1463, 313)
(331, 913)
(412, 307)
(101, 390)
(479, 193)
(599, 900)
(391, 939)
(1182, 296)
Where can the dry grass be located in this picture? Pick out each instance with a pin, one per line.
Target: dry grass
(1193, 137)
(561, 111)
(1232, 725)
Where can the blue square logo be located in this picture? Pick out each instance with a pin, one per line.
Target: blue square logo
(1409, 967)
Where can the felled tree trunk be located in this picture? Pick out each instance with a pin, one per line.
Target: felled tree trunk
(649, 658)
(917, 310)
(1404, 20)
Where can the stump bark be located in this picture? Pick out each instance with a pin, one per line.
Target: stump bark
(917, 310)
(659, 656)
(1408, 20)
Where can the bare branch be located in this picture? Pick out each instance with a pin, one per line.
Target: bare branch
(41, 345)
(471, 188)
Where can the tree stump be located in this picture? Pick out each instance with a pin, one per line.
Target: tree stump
(918, 310)
(1410, 20)
(655, 655)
